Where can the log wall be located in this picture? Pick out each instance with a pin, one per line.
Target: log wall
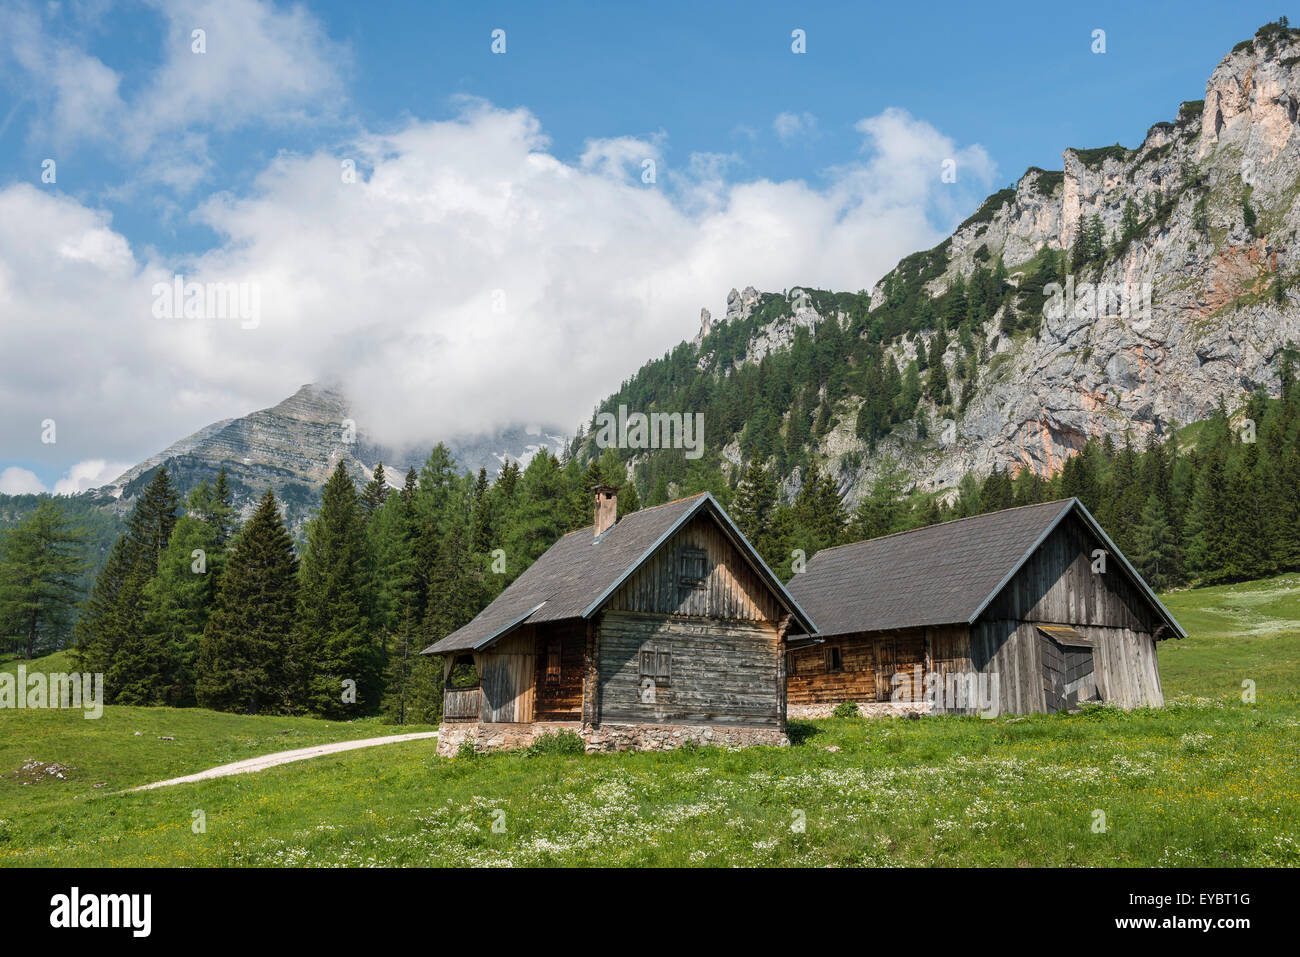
(721, 672)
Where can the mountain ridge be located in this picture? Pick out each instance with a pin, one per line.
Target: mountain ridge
(1202, 215)
(293, 446)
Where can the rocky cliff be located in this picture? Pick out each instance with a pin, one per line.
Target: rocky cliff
(1194, 296)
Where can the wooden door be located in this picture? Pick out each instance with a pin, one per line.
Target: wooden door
(886, 658)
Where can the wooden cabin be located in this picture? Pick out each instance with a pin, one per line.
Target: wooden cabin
(662, 627)
(1029, 609)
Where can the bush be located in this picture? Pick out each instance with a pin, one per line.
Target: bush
(846, 709)
(466, 749)
(557, 742)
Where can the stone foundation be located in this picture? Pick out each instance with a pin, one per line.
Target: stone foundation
(601, 738)
(868, 709)
(497, 737)
(666, 737)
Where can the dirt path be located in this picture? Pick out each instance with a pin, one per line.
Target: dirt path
(285, 757)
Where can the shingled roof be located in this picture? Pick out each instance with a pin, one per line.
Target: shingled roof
(943, 574)
(576, 575)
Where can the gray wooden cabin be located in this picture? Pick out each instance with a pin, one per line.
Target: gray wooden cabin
(661, 627)
(1025, 610)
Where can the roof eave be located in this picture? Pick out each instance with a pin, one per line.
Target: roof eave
(436, 649)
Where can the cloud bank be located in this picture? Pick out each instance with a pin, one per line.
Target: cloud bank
(455, 275)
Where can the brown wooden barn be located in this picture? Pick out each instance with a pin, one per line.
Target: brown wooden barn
(646, 632)
(1025, 610)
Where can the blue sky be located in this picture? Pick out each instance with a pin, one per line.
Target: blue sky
(1018, 78)
(483, 175)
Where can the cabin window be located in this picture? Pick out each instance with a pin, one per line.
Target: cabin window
(553, 663)
(656, 663)
(834, 661)
(692, 567)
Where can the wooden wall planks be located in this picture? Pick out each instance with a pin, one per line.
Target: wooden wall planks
(722, 672)
(731, 589)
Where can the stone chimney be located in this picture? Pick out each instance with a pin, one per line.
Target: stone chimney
(606, 508)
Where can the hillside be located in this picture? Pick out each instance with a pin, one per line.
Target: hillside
(1177, 263)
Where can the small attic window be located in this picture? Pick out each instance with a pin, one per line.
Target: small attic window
(692, 567)
(834, 660)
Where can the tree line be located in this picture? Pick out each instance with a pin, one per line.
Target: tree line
(195, 607)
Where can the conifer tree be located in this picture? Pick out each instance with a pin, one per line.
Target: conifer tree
(243, 655)
(884, 509)
(819, 512)
(218, 510)
(110, 633)
(40, 561)
(178, 601)
(541, 516)
(337, 657)
(756, 497)
(1154, 551)
(374, 495)
(1209, 542)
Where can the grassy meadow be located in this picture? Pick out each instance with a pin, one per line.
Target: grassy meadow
(1207, 780)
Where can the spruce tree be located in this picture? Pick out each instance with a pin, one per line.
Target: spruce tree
(374, 495)
(242, 662)
(884, 508)
(334, 642)
(217, 509)
(40, 561)
(1154, 551)
(179, 599)
(110, 633)
(756, 497)
(540, 517)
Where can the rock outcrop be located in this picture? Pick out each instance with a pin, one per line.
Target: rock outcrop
(1215, 269)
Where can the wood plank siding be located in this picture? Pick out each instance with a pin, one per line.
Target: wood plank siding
(729, 588)
(506, 677)
(1056, 586)
(717, 672)
(811, 679)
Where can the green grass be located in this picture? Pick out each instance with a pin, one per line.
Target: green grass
(126, 747)
(1207, 780)
(58, 661)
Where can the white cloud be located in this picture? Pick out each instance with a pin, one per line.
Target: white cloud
(262, 65)
(89, 474)
(19, 481)
(83, 475)
(794, 126)
(469, 279)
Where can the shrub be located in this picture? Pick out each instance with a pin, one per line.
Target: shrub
(846, 709)
(466, 749)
